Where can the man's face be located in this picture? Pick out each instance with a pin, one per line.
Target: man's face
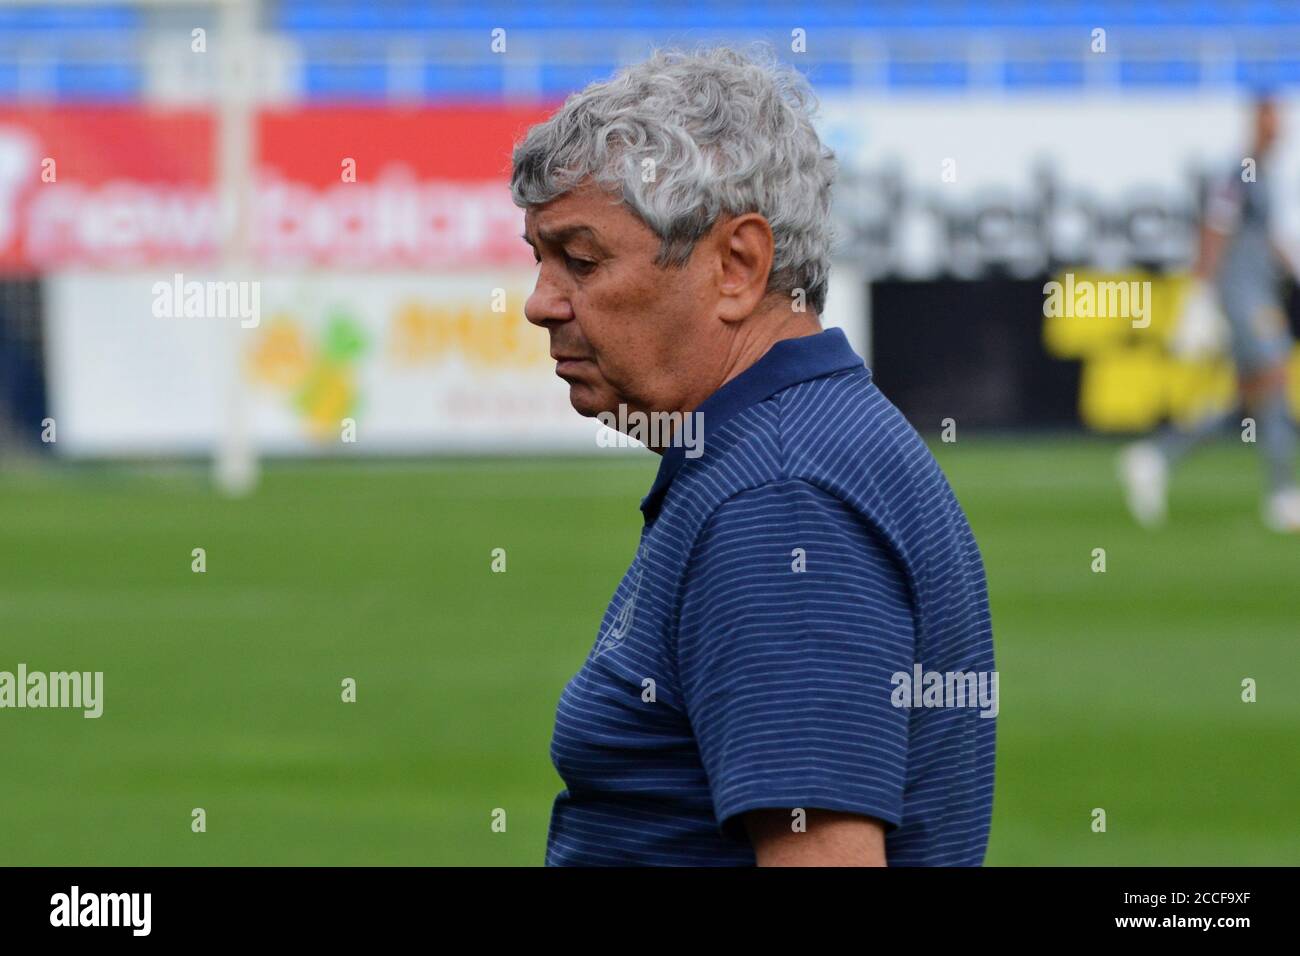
(623, 331)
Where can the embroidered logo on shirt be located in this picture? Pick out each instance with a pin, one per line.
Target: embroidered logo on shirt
(621, 626)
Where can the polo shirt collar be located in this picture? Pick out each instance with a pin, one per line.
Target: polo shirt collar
(788, 362)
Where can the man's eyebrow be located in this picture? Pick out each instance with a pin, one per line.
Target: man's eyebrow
(563, 234)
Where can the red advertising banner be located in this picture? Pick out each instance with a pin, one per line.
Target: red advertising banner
(351, 187)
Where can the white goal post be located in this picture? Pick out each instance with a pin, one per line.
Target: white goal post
(235, 464)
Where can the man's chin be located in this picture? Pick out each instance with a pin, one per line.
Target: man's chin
(587, 401)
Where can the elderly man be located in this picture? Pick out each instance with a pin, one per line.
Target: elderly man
(753, 693)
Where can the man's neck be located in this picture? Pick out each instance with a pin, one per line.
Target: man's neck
(747, 348)
(746, 352)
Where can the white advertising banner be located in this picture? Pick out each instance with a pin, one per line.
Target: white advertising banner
(418, 363)
(960, 185)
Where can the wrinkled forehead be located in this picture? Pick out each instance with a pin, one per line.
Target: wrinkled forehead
(583, 212)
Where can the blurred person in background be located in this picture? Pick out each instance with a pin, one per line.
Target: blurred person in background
(1238, 270)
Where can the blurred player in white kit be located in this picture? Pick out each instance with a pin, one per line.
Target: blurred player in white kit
(1238, 274)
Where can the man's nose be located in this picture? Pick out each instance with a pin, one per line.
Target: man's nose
(547, 305)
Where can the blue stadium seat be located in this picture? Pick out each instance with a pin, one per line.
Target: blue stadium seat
(9, 77)
(464, 81)
(1043, 74)
(112, 81)
(559, 80)
(1159, 72)
(907, 74)
(1257, 74)
(334, 80)
(63, 18)
(345, 43)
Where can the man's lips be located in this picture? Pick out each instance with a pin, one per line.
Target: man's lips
(567, 363)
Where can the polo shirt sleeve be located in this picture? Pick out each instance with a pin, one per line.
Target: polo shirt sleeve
(795, 616)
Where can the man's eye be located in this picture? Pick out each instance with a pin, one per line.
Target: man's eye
(580, 266)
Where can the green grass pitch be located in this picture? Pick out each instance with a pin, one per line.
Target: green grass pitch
(1119, 690)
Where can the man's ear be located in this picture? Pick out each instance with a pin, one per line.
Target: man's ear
(744, 247)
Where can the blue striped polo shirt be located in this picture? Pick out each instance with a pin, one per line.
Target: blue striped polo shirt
(753, 655)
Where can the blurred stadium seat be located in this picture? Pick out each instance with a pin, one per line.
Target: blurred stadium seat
(70, 52)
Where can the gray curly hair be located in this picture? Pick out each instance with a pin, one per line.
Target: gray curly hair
(728, 134)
